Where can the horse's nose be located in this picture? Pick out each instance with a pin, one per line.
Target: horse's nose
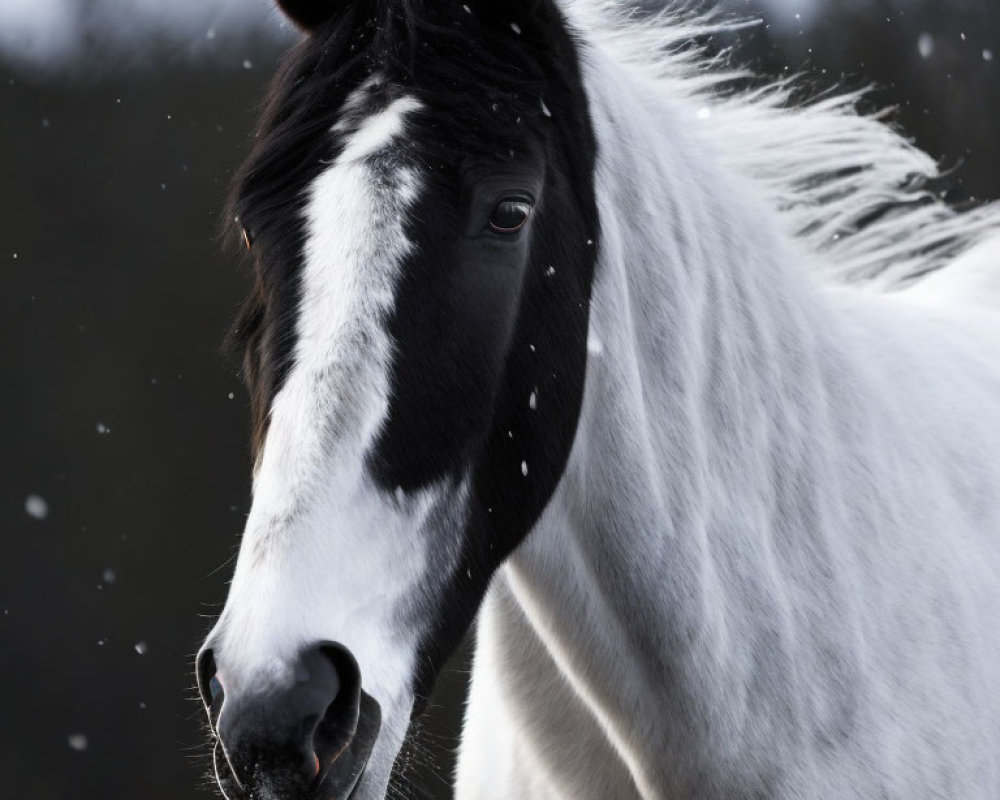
(286, 738)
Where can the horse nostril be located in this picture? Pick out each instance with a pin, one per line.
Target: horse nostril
(209, 685)
(299, 735)
(339, 721)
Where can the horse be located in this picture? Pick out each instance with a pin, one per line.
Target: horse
(566, 328)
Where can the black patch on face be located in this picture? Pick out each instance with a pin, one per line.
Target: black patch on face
(489, 328)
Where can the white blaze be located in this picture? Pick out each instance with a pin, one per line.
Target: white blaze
(327, 554)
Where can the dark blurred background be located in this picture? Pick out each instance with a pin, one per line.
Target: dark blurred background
(123, 464)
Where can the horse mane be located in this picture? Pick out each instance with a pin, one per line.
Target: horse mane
(846, 184)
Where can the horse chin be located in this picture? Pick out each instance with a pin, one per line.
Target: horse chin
(345, 786)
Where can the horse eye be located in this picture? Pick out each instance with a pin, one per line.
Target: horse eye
(214, 688)
(510, 215)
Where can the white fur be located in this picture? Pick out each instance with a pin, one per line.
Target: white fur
(972, 280)
(772, 568)
(378, 130)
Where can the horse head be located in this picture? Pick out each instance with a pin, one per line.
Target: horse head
(419, 211)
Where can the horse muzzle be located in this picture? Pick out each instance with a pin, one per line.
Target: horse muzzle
(309, 741)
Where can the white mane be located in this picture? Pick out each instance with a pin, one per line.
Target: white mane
(770, 566)
(849, 186)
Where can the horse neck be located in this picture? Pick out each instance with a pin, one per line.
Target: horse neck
(708, 341)
(712, 363)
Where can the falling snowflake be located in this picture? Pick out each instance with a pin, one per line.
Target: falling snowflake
(925, 45)
(36, 506)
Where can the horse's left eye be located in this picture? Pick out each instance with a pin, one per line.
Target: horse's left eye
(510, 215)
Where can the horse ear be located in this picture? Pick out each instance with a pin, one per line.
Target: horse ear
(309, 14)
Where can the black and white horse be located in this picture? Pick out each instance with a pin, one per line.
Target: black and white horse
(553, 326)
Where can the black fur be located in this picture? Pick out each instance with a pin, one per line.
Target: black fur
(480, 330)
